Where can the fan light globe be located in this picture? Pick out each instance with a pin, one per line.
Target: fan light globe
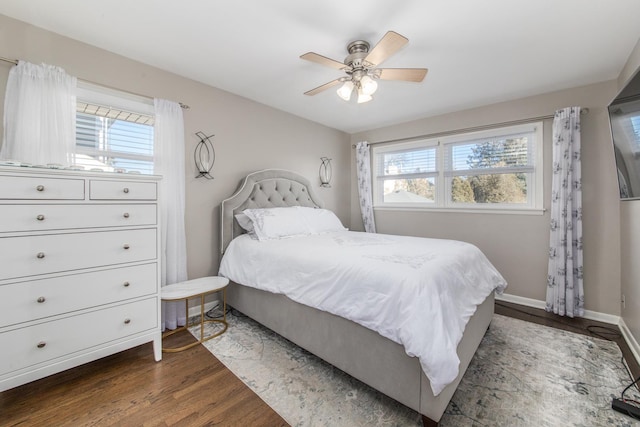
(363, 97)
(345, 90)
(368, 85)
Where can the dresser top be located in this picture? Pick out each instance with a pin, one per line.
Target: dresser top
(35, 171)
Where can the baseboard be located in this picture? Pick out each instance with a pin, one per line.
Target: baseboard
(194, 310)
(530, 302)
(630, 339)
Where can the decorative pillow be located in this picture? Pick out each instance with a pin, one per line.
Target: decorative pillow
(321, 220)
(277, 223)
(245, 222)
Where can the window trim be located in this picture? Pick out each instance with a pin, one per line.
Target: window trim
(441, 202)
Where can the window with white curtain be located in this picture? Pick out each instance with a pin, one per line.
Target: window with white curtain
(114, 130)
(496, 169)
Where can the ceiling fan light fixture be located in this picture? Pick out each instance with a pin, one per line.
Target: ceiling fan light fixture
(362, 70)
(368, 85)
(363, 97)
(345, 90)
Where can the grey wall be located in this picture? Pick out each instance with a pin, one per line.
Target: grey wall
(518, 244)
(248, 136)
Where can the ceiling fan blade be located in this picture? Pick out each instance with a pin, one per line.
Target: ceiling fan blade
(323, 60)
(324, 87)
(387, 46)
(406, 74)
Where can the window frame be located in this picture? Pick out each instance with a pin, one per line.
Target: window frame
(118, 100)
(443, 202)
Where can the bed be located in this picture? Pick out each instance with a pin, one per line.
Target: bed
(385, 365)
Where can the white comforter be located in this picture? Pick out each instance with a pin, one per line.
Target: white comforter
(415, 291)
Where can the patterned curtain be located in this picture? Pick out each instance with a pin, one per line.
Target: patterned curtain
(363, 171)
(565, 293)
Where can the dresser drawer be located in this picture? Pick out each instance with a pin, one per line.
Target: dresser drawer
(37, 299)
(50, 253)
(58, 217)
(24, 347)
(36, 188)
(122, 190)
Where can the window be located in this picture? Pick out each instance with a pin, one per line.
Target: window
(114, 131)
(499, 169)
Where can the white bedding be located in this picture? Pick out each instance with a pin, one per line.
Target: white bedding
(417, 292)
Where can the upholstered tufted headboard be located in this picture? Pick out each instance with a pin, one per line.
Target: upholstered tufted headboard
(264, 189)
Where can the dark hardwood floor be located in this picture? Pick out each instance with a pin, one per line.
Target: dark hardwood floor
(191, 388)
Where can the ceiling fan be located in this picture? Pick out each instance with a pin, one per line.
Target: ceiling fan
(360, 67)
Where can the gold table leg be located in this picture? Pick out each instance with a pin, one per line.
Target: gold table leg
(202, 322)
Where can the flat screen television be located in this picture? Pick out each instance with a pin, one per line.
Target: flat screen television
(624, 114)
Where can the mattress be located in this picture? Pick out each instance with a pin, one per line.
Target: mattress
(417, 292)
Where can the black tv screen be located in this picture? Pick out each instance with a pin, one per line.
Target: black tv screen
(624, 114)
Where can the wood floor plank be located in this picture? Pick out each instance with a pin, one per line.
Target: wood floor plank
(191, 388)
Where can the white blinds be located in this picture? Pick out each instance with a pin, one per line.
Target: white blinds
(513, 153)
(113, 145)
(409, 162)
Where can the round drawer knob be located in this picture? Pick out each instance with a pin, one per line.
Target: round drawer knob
(126, 190)
(41, 344)
(126, 246)
(41, 300)
(126, 215)
(127, 321)
(40, 217)
(40, 188)
(40, 255)
(126, 284)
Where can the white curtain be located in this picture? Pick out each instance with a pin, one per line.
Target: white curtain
(169, 161)
(39, 115)
(363, 172)
(565, 292)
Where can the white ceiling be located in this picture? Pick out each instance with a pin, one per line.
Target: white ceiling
(478, 52)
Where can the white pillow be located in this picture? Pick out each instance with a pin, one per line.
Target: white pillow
(276, 223)
(321, 220)
(245, 222)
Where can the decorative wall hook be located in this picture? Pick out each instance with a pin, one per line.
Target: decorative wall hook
(204, 155)
(325, 172)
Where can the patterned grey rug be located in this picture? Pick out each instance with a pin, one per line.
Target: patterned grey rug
(523, 374)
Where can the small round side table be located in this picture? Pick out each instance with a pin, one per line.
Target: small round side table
(192, 289)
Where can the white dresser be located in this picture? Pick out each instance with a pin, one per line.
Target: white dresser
(79, 269)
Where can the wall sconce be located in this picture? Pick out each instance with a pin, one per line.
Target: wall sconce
(325, 172)
(204, 156)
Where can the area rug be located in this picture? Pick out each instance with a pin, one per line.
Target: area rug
(523, 374)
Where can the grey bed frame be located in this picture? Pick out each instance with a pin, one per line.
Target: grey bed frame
(356, 350)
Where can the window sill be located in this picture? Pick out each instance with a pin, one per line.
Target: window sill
(486, 211)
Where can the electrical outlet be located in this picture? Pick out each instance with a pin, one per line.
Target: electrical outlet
(624, 302)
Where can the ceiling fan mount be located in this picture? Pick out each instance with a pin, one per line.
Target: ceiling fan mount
(360, 67)
(355, 61)
(358, 51)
